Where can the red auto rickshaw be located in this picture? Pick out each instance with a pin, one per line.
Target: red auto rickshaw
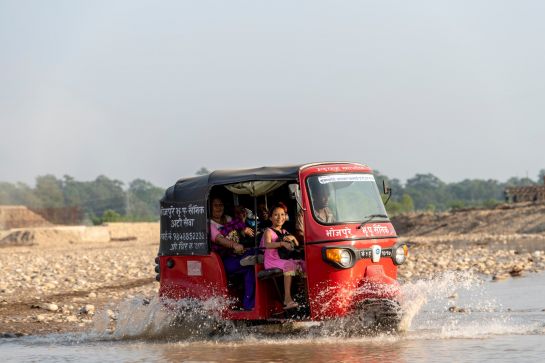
(351, 261)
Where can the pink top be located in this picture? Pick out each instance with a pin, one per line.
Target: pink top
(271, 252)
(214, 233)
(273, 260)
(215, 229)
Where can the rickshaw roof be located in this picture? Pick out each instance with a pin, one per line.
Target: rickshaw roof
(195, 188)
(220, 177)
(184, 226)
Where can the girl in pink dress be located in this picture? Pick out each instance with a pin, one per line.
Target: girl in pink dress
(272, 243)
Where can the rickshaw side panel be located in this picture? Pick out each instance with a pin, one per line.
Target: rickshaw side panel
(267, 303)
(199, 277)
(177, 283)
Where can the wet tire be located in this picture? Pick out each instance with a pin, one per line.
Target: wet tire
(379, 315)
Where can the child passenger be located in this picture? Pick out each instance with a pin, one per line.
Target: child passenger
(238, 230)
(274, 238)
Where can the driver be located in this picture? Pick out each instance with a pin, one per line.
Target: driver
(322, 212)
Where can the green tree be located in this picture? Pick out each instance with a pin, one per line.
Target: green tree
(111, 216)
(541, 176)
(519, 182)
(456, 204)
(407, 203)
(426, 190)
(49, 191)
(18, 194)
(74, 192)
(431, 207)
(490, 203)
(103, 194)
(143, 200)
(472, 192)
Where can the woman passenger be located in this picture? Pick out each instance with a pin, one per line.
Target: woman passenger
(231, 253)
(274, 238)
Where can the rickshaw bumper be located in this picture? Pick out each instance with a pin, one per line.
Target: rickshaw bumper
(377, 285)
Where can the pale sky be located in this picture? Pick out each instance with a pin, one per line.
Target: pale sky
(156, 90)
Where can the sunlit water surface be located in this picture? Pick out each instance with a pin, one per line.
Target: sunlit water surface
(501, 321)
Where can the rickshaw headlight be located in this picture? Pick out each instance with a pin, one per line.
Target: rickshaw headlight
(400, 254)
(340, 257)
(346, 258)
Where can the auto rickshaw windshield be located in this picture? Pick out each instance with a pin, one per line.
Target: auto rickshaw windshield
(344, 198)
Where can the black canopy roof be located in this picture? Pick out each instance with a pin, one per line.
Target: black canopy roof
(197, 187)
(184, 227)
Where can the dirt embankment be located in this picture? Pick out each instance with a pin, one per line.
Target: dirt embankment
(17, 216)
(505, 219)
(505, 241)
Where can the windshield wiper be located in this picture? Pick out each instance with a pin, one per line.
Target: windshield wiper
(370, 217)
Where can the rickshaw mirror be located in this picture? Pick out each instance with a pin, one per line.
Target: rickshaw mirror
(387, 190)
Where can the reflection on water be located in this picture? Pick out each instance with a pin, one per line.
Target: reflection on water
(502, 321)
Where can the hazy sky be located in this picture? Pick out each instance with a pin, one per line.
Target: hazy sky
(155, 90)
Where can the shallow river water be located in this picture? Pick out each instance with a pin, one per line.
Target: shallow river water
(501, 321)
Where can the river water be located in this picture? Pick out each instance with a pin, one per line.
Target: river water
(502, 321)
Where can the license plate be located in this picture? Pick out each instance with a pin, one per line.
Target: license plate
(368, 253)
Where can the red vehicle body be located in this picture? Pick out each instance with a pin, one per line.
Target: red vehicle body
(351, 264)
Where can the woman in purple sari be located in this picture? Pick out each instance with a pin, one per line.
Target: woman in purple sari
(231, 253)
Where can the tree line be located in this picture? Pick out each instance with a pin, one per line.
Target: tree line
(428, 192)
(69, 201)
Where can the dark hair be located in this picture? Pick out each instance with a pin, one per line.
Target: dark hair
(279, 205)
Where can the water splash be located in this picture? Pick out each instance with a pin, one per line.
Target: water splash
(436, 290)
(457, 305)
(139, 318)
